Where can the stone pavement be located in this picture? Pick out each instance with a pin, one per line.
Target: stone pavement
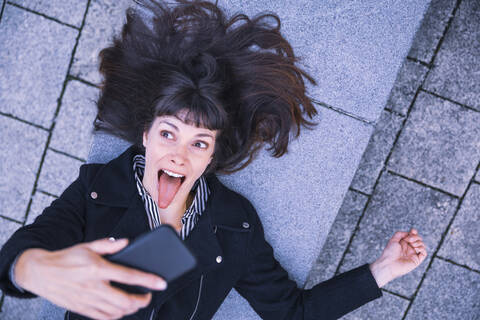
(418, 169)
(421, 170)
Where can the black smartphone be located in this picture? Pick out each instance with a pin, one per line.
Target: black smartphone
(160, 251)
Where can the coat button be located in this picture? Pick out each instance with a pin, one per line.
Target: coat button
(219, 259)
(94, 195)
(245, 225)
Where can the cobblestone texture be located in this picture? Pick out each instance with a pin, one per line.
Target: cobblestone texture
(39, 202)
(19, 165)
(378, 148)
(399, 205)
(104, 20)
(32, 95)
(25, 309)
(58, 172)
(448, 292)
(440, 144)
(389, 307)
(461, 243)
(409, 78)
(431, 30)
(73, 132)
(456, 72)
(70, 12)
(332, 252)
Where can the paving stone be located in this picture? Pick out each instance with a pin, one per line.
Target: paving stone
(377, 150)
(25, 309)
(477, 177)
(39, 202)
(104, 19)
(431, 30)
(409, 78)
(31, 79)
(448, 292)
(461, 243)
(73, 129)
(337, 239)
(399, 205)
(389, 307)
(7, 228)
(456, 71)
(440, 144)
(70, 12)
(23, 146)
(58, 172)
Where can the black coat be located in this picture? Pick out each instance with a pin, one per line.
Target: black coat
(229, 227)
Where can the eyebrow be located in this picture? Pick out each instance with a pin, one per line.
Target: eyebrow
(200, 135)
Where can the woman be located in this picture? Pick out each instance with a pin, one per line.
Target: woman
(195, 95)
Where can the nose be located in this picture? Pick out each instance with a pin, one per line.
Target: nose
(179, 156)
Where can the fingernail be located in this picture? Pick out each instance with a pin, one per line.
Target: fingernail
(162, 285)
(111, 239)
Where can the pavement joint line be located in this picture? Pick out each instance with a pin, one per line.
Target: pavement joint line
(395, 294)
(360, 192)
(42, 15)
(449, 100)
(1, 15)
(10, 219)
(59, 103)
(394, 112)
(440, 243)
(423, 63)
(346, 113)
(66, 154)
(440, 42)
(458, 264)
(2, 298)
(357, 227)
(354, 233)
(47, 193)
(423, 184)
(72, 77)
(11, 116)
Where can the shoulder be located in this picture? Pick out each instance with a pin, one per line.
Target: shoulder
(231, 207)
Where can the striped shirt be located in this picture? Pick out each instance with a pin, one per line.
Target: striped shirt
(191, 215)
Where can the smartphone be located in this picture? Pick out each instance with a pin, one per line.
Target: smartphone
(160, 251)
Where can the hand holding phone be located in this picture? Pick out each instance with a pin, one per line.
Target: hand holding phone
(160, 251)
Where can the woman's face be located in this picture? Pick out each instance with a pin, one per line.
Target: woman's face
(176, 155)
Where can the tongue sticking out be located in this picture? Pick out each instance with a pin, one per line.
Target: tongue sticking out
(167, 189)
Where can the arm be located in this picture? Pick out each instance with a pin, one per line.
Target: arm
(59, 226)
(273, 295)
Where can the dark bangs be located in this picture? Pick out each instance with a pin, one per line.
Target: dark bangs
(201, 104)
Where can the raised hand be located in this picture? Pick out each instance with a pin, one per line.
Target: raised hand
(78, 279)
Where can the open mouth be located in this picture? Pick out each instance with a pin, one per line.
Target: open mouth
(169, 183)
(170, 174)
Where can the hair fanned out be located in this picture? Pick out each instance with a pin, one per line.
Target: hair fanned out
(234, 75)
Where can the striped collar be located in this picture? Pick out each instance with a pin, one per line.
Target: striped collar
(190, 216)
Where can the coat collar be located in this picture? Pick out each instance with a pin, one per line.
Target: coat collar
(114, 186)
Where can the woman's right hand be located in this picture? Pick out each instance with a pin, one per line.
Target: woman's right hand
(78, 279)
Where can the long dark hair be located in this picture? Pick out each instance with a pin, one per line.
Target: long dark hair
(237, 78)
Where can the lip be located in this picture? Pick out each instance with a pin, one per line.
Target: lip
(159, 172)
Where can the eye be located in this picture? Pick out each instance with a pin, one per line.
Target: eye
(201, 144)
(166, 134)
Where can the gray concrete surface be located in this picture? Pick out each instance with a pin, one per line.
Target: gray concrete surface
(438, 195)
